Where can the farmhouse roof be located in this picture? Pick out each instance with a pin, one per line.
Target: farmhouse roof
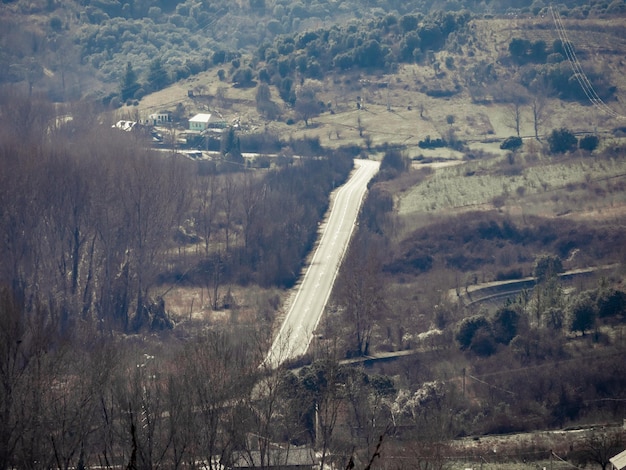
(124, 125)
(619, 461)
(201, 117)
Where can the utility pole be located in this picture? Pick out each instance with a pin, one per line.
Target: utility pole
(463, 381)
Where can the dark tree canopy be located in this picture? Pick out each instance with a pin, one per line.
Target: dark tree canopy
(562, 141)
(468, 328)
(589, 143)
(547, 267)
(582, 313)
(129, 84)
(505, 325)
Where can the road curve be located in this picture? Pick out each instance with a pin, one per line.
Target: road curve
(295, 334)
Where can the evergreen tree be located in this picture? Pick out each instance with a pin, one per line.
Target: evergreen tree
(129, 84)
(157, 75)
(582, 313)
(230, 146)
(468, 328)
(504, 325)
(562, 141)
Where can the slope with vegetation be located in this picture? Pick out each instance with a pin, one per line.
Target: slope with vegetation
(139, 289)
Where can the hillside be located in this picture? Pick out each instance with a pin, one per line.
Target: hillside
(402, 108)
(139, 289)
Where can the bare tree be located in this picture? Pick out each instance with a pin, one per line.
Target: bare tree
(13, 363)
(539, 103)
(216, 379)
(360, 292)
(72, 407)
(538, 106)
(28, 372)
(144, 437)
(151, 204)
(253, 192)
(206, 208)
(601, 445)
(514, 111)
(229, 199)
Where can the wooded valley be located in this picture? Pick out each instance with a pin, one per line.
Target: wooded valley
(483, 291)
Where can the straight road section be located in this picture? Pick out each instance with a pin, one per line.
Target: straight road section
(308, 305)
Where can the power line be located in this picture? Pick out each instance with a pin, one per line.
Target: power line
(579, 73)
(550, 364)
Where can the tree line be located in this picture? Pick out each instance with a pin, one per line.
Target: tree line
(527, 363)
(72, 400)
(93, 220)
(75, 401)
(168, 41)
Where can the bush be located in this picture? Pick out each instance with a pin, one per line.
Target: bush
(511, 143)
(427, 143)
(562, 141)
(589, 143)
(394, 161)
(468, 329)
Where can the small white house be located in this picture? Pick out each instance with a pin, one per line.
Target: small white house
(156, 119)
(199, 122)
(124, 125)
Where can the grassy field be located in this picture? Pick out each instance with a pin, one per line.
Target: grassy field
(545, 187)
(397, 108)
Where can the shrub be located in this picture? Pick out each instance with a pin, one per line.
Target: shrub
(589, 143)
(562, 141)
(504, 325)
(468, 329)
(582, 313)
(511, 143)
(427, 143)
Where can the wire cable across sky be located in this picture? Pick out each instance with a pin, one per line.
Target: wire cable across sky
(579, 73)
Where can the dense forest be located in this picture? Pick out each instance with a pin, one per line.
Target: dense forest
(62, 46)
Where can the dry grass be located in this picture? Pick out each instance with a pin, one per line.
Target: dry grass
(397, 111)
(548, 187)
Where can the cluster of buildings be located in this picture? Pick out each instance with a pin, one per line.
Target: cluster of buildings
(201, 126)
(201, 122)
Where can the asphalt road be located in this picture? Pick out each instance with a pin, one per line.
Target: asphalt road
(296, 332)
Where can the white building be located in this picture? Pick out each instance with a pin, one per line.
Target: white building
(199, 122)
(156, 119)
(124, 125)
(618, 462)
